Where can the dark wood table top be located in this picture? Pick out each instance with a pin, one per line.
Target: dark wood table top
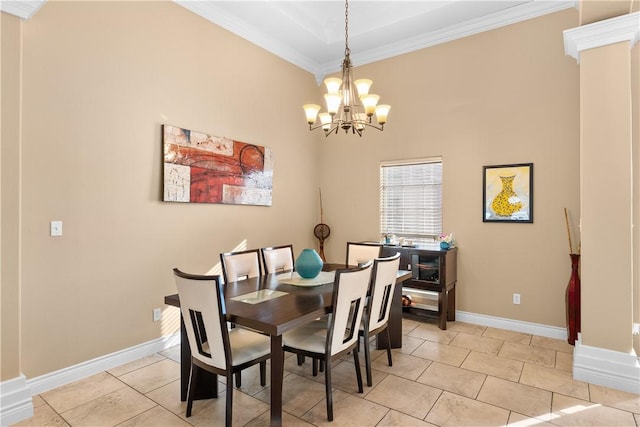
(298, 306)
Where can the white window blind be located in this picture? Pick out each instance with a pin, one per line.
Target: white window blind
(411, 199)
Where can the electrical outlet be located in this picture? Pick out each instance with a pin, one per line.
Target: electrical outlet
(157, 314)
(516, 298)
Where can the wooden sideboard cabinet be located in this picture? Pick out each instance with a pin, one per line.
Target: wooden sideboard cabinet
(432, 286)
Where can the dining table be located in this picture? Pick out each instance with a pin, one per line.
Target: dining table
(271, 304)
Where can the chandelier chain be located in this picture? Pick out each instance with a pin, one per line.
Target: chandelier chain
(346, 28)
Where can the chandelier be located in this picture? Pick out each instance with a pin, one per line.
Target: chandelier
(345, 110)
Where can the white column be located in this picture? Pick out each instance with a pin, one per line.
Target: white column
(604, 353)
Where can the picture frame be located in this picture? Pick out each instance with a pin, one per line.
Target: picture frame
(507, 193)
(202, 168)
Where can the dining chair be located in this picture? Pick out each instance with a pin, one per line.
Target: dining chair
(277, 259)
(214, 347)
(376, 317)
(362, 252)
(240, 265)
(326, 344)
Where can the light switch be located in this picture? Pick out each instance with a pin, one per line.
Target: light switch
(56, 228)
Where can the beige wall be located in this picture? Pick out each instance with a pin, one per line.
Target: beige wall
(505, 96)
(9, 203)
(99, 80)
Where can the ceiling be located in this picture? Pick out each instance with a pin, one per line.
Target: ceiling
(310, 34)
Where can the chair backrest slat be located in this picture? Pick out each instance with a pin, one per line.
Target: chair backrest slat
(349, 294)
(383, 283)
(204, 318)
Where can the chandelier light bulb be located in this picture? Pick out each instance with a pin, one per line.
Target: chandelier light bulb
(360, 120)
(369, 103)
(382, 111)
(325, 119)
(363, 86)
(311, 111)
(333, 85)
(333, 102)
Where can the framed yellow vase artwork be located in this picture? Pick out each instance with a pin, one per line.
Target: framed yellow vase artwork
(507, 193)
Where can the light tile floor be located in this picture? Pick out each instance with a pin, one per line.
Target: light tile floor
(468, 375)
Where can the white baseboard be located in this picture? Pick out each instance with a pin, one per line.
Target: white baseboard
(512, 325)
(16, 403)
(82, 370)
(608, 368)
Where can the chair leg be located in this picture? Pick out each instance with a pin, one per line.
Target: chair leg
(356, 361)
(321, 365)
(389, 348)
(314, 367)
(238, 379)
(328, 391)
(192, 388)
(300, 359)
(228, 416)
(367, 359)
(263, 373)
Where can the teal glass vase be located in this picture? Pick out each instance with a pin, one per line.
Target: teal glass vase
(308, 264)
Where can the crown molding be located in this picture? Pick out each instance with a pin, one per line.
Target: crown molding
(490, 22)
(475, 26)
(522, 12)
(614, 30)
(220, 17)
(24, 9)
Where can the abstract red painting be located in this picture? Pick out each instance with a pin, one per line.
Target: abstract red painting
(200, 168)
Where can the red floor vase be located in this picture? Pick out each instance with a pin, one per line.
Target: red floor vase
(573, 301)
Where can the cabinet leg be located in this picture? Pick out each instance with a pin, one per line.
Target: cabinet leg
(443, 304)
(451, 309)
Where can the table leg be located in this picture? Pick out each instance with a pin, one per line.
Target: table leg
(277, 373)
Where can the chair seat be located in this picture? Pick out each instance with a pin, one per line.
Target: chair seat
(311, 337)
(247, 345)
(321, 322)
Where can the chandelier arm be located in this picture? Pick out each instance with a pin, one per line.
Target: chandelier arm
(373, 125)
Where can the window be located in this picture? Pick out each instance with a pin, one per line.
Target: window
(411, 199)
